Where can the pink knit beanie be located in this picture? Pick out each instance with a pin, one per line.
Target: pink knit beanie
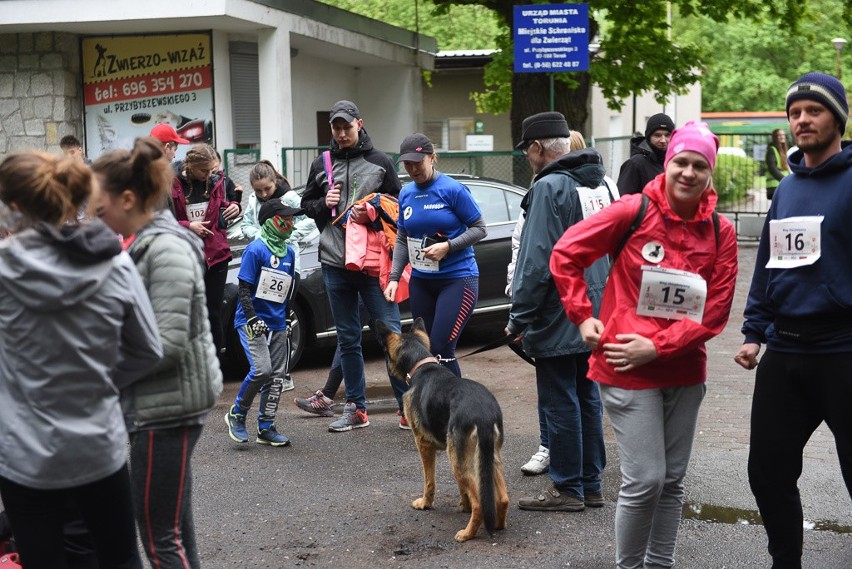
(696, 137)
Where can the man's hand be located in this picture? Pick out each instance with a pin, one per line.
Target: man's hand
(332, 198)
(747, 356)
(358, 214)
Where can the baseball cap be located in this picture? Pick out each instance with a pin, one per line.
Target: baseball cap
(347, 110)
(272, 208)
(415, 147)
(167, 133)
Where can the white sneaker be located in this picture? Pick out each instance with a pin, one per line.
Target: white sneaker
(287, 384)
(539, 463)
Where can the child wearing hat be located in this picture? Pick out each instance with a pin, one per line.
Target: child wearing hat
(266, 284)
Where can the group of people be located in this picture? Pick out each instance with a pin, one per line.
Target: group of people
(436, 223)
(616, 306)
(614, 296)
(108, 343)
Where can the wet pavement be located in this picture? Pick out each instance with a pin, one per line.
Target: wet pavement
(344, 498)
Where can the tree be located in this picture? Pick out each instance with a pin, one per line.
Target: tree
(637, 54)
(751, 64)
(456, 27)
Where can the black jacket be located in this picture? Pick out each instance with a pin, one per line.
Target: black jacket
(643, 166)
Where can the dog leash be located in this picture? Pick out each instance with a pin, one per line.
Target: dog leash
(502, 341)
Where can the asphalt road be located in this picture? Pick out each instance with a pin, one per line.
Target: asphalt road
(343, 499)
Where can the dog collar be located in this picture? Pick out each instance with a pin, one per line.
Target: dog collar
(429, 360)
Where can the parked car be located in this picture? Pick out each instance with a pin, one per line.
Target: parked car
(311, 320)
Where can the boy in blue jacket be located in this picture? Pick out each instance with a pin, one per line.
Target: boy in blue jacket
(266, 283)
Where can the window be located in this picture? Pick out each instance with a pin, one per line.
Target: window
(497, 205)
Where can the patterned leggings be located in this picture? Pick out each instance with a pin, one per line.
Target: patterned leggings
(445, 305)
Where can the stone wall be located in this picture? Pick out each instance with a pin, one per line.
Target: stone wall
(40, 90)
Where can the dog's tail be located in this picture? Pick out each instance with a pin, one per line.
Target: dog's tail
(486, 447)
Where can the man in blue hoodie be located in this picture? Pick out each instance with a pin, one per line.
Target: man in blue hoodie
(800, 306)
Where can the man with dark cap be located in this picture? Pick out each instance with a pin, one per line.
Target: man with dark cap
(800, 306)
(351, 170)
(646, 155)
(569, 401)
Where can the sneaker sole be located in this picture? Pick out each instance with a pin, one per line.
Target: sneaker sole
(272, 444)
(595, 504)
(348, 427)
(288, 387)
(531, 472)
(313, 411)
(405, 428)
(230, 434)
(564, 508)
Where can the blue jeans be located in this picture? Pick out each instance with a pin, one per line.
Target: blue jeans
(572, 407)
(343, 287)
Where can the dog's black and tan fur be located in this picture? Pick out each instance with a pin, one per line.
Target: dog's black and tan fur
(459, 415)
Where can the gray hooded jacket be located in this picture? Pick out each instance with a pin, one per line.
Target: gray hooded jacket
(76, 327)
(187, 382)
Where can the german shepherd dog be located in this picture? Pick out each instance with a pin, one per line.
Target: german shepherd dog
(453, 414)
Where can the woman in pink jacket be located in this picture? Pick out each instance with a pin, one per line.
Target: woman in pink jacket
(670, 290)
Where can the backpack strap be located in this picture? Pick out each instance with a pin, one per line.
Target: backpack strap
(637, 221)
(634, 225)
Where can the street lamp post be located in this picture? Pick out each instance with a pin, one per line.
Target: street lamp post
(838, 44)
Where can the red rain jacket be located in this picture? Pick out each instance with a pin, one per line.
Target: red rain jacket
(688, 246)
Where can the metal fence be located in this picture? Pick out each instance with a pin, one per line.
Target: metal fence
(509, 166)
(739, 178)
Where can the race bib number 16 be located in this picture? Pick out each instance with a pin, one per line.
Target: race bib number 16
(794, 242)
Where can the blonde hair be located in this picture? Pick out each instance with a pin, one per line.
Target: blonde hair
(576, 141)
(44, 187)
(200, 154)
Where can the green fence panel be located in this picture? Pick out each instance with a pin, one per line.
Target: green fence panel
(238, 163)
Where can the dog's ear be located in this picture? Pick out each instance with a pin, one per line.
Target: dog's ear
(419, 326)
(383, 332)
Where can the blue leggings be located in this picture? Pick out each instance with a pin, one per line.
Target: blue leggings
(445, 305)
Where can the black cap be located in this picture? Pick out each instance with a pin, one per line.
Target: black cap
(275, 207)
(660, 121)
(543, 126)
(347, 110)
(415, 147)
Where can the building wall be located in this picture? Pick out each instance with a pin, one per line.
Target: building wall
(40, 95)
(449, 97)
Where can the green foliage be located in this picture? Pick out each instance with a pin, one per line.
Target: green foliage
(455, 27)
(734, 176)
(750, 64)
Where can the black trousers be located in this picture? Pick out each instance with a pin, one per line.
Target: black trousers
(793, 394)
(215, 279)
(38, 517)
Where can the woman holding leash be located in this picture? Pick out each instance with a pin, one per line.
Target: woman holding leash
(669, 291)
(439, 222)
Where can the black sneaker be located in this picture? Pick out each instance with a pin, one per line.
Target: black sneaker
(552, 500)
